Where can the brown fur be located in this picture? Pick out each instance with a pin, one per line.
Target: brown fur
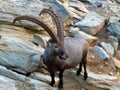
(76, 49)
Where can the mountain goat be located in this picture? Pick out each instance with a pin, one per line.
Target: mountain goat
(60, 53)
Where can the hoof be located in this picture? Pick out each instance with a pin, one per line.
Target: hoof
(85, 76)
(60, 87)
(51, 84)
(78, 73)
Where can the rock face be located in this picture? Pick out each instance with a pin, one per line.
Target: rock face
(64, 3)
(101, 52)
(114, 42)
(114, 28)
(91, 23)
(78, 5)
(23, 55)
(10, 80)
(116, 62)
(98, 79)
(7, 83)
(17, 51)
(10, 9)
(117, 54)
(103, 78)
(91, 39)
(42, 77)
(108, 47)
(18, 54)
(77, 9)
(21, 49)
(61, 11)
(40, 40)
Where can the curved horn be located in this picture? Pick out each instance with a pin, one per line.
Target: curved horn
(57, 20)
(40, 23)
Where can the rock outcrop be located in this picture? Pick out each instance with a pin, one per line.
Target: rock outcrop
(22, 45)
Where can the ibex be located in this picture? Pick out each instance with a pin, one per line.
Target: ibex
(60, 53)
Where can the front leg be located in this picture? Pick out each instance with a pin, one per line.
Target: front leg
(60, 86)
(80, 69)
(52, 79)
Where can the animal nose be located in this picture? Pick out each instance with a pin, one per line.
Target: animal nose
(65, 56)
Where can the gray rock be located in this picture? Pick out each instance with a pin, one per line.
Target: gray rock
(10, 9)
(91, 1)
(117, 87)
(91, 39)
(117, 54)
(73, 30)
(61, 11)
(38, 85)
(101, 52)
(97, 3)
(114, 19)
(118, 1)
(102, 81)
(64, 3)
(14, 31)
(42, 77)
(40, 39)
(76, 14)
(108, 48)
(10, 80)
(114, 8)
(12, 75)
(102, 77)
(114, 42)
(91, 23)
(110, 6)
(78, 6)
(7, 84)
(114, 28)
(116, 62)
(19, 55)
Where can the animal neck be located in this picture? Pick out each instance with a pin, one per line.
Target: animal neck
(52, 58)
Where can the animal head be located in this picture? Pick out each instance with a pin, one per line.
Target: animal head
(56, 49)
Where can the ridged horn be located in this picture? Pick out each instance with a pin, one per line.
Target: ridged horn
(57, 20)
(39, 22)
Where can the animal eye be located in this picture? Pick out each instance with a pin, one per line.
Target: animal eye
(61, 52)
